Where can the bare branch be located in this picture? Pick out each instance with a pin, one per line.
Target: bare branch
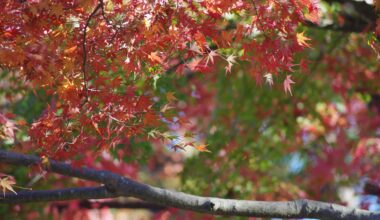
(58, 195)
(84, 48)
(123, 186)
(128, 204)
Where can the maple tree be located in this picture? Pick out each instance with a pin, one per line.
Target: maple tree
(266, 100)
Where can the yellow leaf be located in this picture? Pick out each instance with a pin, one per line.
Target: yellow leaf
(165, 108)
(301, 39)
(6, 183)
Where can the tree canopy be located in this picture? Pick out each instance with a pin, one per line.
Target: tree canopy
(265, 108)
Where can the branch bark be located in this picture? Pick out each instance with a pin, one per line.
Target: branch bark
(86, 204)
(58, 195)
(117, 185)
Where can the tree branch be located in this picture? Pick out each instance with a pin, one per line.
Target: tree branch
(58, 195)
(122, 186)
(84, 48)
(86, 204)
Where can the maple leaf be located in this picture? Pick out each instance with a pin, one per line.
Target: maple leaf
(70, 50)
(194, 64)
(170, 97)
(301, 39)
(7, 127)
(210, 56)
(313, 15)
(231, 61)
(269, 79)
(194, 47)
(287, 84)
(6, 183)
(202, 148)
(166, 108)
(168, 136)
(155, 58)
(154, 133)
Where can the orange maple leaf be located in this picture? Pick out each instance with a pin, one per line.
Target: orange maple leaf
(70, 50)
(202, 148)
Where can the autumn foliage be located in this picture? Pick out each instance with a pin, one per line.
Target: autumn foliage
(247, 84)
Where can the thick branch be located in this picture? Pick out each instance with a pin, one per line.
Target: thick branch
(58, 195)
(86, 204)
(123, 186)
(84, 193)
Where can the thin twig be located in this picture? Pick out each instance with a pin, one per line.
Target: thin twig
(109, 23)
(84, 44)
